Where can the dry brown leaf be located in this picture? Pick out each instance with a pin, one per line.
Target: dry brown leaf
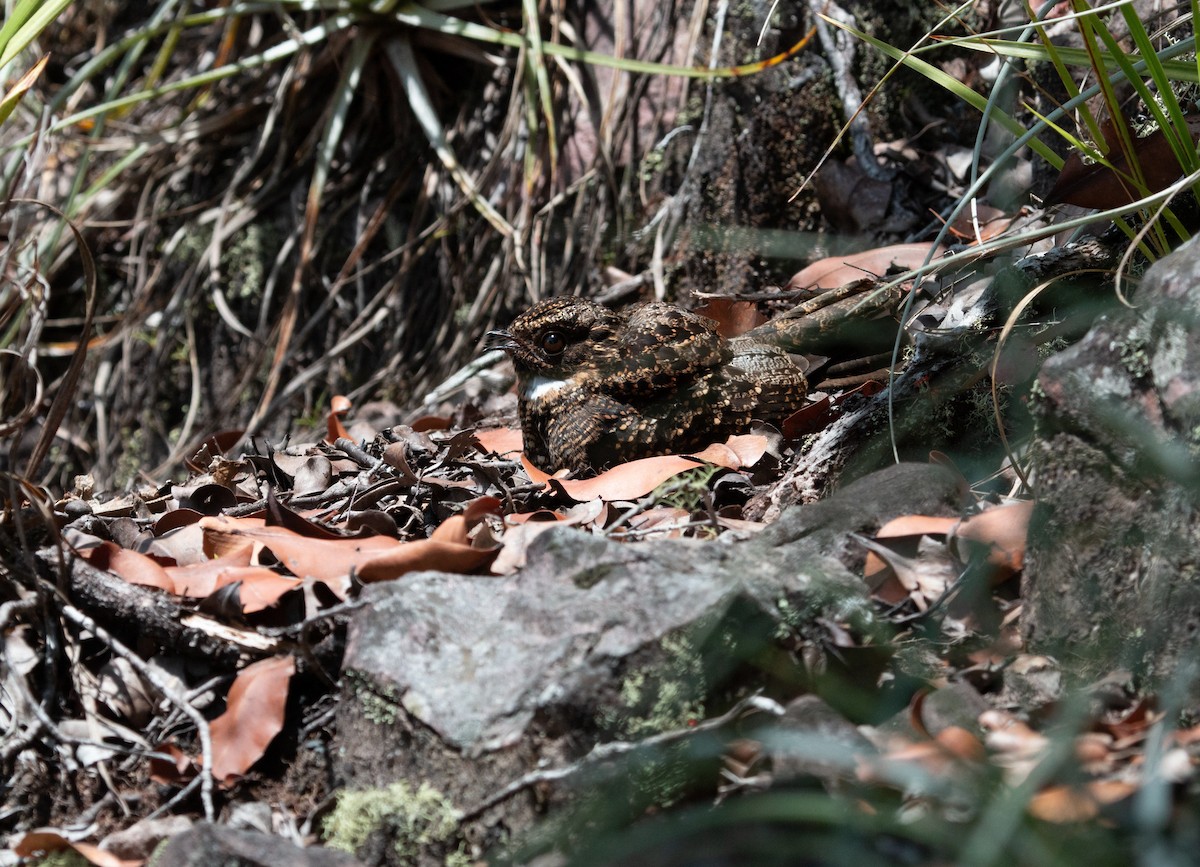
(372, 558)
(981, 223)
(1002, 531)
(449, 548)
(338, 407)
(221, 536)
(174, 520)
(1064, 804)
(184, 545)
(522, 529)
(961, 744)
(924, 576)
(253, 716)
(177, 771)
(261, 587)
(904, 529)
(743, 450)
(837, 271)
(503, 441)
(431, 422)
(635, 479)
(1015, 746)
(425, 554)
(49, 840)
(1093, 185)
(821, 412)
(129, 566)
(666, 522)
(328, 560)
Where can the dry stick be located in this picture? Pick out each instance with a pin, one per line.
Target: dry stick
(667, 221)
(83, 621)
(839, 51)
(18, 742)
(604, 752)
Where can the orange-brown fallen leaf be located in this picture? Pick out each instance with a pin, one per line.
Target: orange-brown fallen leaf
(910, 528)
(129, 565)
(372, 558)
(338, 407)
(261, 587)
(48, 840)
(733, 317)
(1095, 185)
(981, 223)
(1002, 532)
(836, 271)
(893, 569)
(171, 766)
(635, 479)
(821, 412)
(1064, 804)
(253, 716)
(304, 557)
(503, 441)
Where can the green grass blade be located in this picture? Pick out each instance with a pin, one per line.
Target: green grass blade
(30, 22)
(1175, 70)
(285, 49)
(1064, 75)
(953, 85)
(1171, 121)
(536, 60)
(417, 15)
(335, 123)
(400, 53)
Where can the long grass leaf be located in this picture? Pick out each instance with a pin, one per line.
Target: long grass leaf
(417, 15)
(285, 49)
(39, 18)
(20, 13)
(1166, 109)
(1175, 70)
(536, 59)
(953, 85)
(331, 140)
(405, 63)
(1064, 76)
(18, 90)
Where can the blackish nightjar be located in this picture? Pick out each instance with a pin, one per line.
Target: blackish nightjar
(597, 388)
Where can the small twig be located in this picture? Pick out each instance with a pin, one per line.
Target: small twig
(299, 628)
(160, 683)
(456, 380)
(604, 752)
(840, 51)
(357, 454)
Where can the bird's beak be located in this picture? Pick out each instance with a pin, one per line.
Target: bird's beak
(499, 340)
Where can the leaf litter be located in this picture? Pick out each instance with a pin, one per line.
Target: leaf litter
(471, 503)
(276, 542)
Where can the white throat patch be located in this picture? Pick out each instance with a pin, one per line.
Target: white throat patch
(542, 387)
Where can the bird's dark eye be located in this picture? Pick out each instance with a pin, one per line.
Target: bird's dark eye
(553, 343)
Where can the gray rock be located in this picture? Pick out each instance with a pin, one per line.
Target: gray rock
(207, 844)
(468, 683)
(1112, 578)
(475, 658)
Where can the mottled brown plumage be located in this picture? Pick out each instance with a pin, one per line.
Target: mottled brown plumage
(597, 388)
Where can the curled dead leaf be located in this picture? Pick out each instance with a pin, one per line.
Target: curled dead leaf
(1001, 531)
(338, 407)
(834, 272)
(635, 479)
(47, 840)
(253, 716)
